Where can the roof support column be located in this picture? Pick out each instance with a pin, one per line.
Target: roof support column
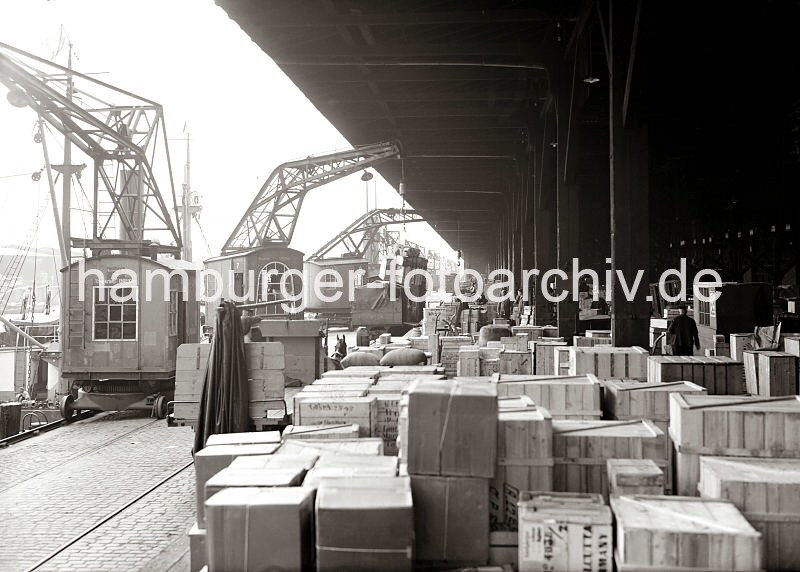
(628, 181)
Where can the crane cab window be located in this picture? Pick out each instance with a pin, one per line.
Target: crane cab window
(115, 318)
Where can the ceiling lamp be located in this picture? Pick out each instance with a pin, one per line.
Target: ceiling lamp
(590, 79)
(366, 176)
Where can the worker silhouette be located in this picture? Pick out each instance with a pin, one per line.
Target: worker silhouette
(682, 334)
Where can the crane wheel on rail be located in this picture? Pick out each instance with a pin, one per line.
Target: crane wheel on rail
(66, 409)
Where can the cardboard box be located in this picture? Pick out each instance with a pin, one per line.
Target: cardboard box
(452, 428)
(350, 466)
(247, 438)
(197, 548)
(254, 529)
(266, 477)
(451, 519)
(319, 447)
(211, 460)
(365, 526)
(564, 531)
(344, 431)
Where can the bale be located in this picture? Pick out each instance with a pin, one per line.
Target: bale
(404, 356)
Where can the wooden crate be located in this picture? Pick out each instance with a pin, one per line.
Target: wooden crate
(388, 416)
(739, 343)
(468, 361)
(580, 450)
(719, 375)
(590, 341)
(564, 531)
(561, 360)
(516, 362)
(767, 492)
(598, 333)
(545, 361)
(769, 373)
(524, 461)
(565, 397)
(792, 346)
(489, 367)
(634, 477)
(726, 425)
(625, 399)
(608, 361)
(515, 403)
(315, 410)
(656, 532)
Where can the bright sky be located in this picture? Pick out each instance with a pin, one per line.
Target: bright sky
(244, 115)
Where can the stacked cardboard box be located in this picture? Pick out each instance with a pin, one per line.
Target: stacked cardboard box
(314, 447)
(570, 397)
(524, 459)
(350, 466)
(449, 438)
(260, 529)
(581, 448)
(770, 374)
(211, 460)
(609, 361)
(730, 426)
(564, 531)
(365, 524)
(719, 375)
(344, 431)
(767, 492)
(680, 533)
(388, 416)
(634, 477)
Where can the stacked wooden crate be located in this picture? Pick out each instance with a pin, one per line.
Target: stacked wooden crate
(265, 365)
(437, 317)
(627, 399)
(564, 531)
(634, 477)
(767, 492)
(730, 426)
(572, 397)
(719, 375)
(580, 450)
(449, 355)
(545, 360)
(739, 343)
(516, 361)
(609, 362)
(524, 459)
(561, 360)
(449, 438)
(489, 361)
(468, 361)
(590, 341)
(769, 373)
(656, 532)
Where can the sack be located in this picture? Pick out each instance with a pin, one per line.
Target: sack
(360, 358)
(404, 356)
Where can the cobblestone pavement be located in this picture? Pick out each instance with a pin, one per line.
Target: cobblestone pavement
(59, 484)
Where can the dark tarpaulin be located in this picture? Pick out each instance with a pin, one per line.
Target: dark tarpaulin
(224, 405)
